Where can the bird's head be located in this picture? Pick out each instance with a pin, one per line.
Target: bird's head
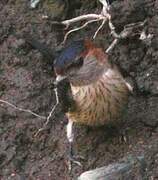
(80, 62)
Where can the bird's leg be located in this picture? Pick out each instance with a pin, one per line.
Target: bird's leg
(70, 137)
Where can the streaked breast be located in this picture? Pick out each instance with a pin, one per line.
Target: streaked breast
(101, 101)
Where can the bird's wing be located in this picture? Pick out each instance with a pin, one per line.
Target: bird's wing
(65, 96)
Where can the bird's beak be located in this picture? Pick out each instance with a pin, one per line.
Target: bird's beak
(60, 78)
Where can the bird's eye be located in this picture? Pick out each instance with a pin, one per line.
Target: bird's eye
(79, 62)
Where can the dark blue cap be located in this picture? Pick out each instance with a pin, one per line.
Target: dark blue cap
(69, 54)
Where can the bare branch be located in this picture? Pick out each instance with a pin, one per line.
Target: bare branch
(21, 109)
(83, 17)
(129, 30)
(78, 28)
(34, 3)
(100, 27)
(54, 107)
(50, 114)
(113, 44)
(105, 8)
(35, 114)
(104, 3)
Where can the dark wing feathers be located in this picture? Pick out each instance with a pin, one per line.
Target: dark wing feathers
(65, 96)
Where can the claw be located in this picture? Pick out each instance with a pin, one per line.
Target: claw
(123, 137)
(74, 160)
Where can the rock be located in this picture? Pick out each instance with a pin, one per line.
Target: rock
(129, 168)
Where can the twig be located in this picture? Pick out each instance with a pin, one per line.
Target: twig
(21, 109)
(113, 44)
(104, 3)
(83, 17)
(91, 17)
(50, 114)
(100, 27)
(127, 32)
(34, 3)
(35, 114)
(78, 28)
(105, 15)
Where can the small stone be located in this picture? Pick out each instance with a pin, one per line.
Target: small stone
(128, 168)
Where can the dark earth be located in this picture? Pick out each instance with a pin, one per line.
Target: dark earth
(26, 79)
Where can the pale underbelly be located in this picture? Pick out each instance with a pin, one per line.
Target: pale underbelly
(99, 103)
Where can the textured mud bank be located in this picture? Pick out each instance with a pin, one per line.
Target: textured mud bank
(25, 80)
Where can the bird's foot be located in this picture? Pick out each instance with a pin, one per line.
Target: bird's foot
(123, 138)
(74, 160)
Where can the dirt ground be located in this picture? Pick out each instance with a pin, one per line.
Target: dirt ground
(26, 78)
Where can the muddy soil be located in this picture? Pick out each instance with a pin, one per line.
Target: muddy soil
(26, 80)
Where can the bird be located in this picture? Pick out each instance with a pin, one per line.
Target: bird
(100, 92)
